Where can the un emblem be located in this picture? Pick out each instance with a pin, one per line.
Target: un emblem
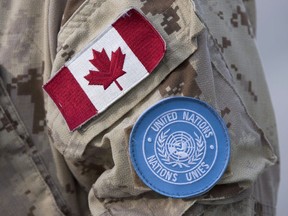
(180, 147)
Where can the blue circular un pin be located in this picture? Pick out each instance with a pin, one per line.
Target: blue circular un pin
(180, 147)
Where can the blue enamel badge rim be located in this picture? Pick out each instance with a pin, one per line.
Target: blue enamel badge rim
(180, 147)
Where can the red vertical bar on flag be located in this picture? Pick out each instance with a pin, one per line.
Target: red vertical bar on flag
(142, 38)
(70, 99)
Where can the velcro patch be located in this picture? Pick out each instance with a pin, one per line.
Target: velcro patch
(180, 147)
(112, 64)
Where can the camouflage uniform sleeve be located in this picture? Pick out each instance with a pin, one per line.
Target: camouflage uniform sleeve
(211, 55)
(28, 180)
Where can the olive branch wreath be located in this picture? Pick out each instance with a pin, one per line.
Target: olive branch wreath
(169, 161)
(198, 151)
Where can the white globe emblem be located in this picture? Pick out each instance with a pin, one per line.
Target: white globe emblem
(180, 146)
(180, 149)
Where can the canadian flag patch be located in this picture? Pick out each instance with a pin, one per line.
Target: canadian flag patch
(112, 64)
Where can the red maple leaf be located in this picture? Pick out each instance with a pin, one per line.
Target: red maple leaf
(108, 71)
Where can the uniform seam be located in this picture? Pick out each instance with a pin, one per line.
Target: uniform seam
(21, 130)
(234, 90)
(31, 162)
(75, 21)
(71, 20)
(260, 131)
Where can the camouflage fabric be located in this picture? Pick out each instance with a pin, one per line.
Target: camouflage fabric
(29, 182)
(211, 55)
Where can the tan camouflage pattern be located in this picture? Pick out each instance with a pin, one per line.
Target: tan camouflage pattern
(211, 55)
(28, 179)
